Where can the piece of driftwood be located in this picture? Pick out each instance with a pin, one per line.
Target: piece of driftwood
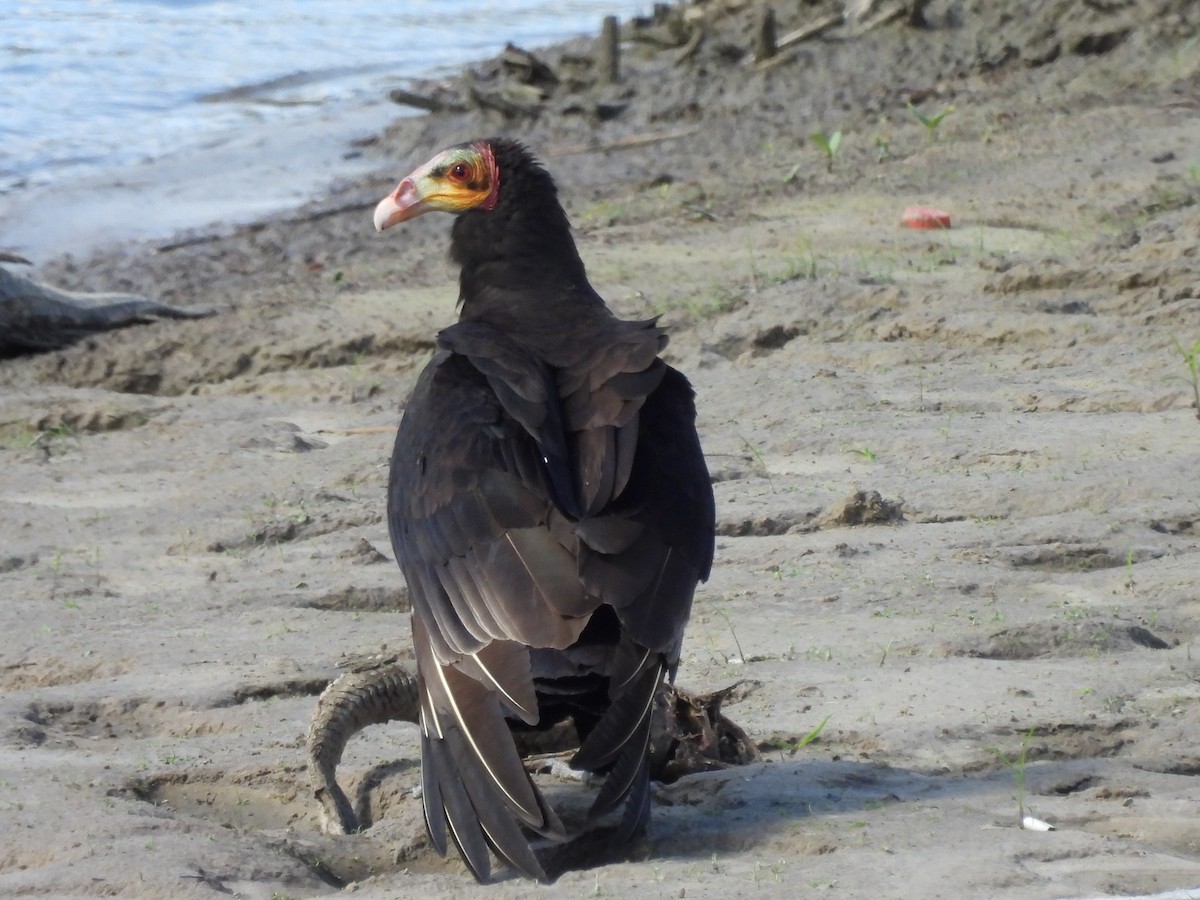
(36, 317)
(811, 30)
(193, 240)
(710, 12)
(669, 27)
(882, 17)
(792, 38)
(527, 68)
(511, 100)
(366, 429)
(699, 32)
(434, 103)
(688, 732)
(857, 10)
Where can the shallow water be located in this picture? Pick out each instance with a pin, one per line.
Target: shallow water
(91, 84)
(133, 119)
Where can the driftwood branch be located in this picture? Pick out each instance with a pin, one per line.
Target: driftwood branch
(792, 38)
(527, 68)
(811, 30)
(512, 100)
(435, 102)
(884, 16)
(699, 32)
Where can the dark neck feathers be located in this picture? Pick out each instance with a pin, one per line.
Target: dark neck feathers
(519, 260)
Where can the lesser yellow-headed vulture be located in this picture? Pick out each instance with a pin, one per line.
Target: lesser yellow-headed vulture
(550, 507)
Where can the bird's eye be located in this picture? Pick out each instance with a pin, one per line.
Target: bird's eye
(459, 171)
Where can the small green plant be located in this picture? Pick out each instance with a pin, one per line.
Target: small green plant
(931, 123)
(791, 746)
(1017, 767)
(805, 264)
(829, 145)
(50, 441)
(812, 735)
(1073, 613)
(1191, 357)
(762, 463)
(866, 453)
(883, 656)
(787, 570)
(1129, 570)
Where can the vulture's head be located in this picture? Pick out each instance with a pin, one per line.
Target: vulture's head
(506, 207)
(460, 178)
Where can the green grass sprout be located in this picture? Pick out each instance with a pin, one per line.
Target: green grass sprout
(1191, 357)
(829, 145)
(1017, 767)
(931, 123)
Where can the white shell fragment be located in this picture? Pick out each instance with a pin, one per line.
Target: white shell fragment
(1029, 823)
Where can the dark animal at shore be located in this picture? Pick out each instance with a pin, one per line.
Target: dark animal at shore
(37, 317)
(551, 510)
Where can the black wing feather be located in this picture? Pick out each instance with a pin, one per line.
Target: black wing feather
(522, 498)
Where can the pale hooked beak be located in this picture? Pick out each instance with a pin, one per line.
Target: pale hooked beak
(402, 204)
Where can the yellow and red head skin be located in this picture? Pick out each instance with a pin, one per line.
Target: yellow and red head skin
(456, 180)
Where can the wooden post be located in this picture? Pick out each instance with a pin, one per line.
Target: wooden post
(610, 51)
(764, 35)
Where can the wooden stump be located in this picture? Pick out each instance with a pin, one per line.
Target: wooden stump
(765, 46)
(610, 50)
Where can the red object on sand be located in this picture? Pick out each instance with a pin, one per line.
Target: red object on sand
(925, 217)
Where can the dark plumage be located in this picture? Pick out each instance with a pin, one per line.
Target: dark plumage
(551, 510)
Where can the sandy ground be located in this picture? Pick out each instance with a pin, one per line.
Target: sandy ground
(957, 476)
